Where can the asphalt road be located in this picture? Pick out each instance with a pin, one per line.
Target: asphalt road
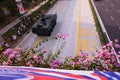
(66, 24)
(109, 11)
(74, 18)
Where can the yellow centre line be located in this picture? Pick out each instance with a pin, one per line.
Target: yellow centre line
(78, 45)
(37, 41)
(24, 39)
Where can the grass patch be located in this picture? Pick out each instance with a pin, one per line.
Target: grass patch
(102, 35)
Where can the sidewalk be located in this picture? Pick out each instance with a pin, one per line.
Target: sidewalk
(9, 26)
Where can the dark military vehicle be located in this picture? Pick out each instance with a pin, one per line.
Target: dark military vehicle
(45, 25)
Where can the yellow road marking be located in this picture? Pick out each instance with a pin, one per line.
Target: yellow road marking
(94, 45)
(84, 45)
(78, 45)
(81, 29)
(88, 45)
(37, 41)
(24, 39)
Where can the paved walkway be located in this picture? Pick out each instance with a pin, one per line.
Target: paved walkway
(89, 39)
(12, 24)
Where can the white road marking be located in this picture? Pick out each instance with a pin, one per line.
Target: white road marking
(118, 10)
(59, 38)
(112, 18)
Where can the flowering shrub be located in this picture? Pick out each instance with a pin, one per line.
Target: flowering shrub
(105, 60)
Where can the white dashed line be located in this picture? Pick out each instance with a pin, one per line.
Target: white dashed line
(112, 18)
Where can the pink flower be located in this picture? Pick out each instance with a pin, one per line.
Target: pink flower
(36, 57)
(117, 45)
(106, 51)
(8, 51)
(79, 59)
(106, 55)
(118, 56)
(55, 64)
(64, 35)
(118, 52)
(90, 60)
(44, 51)
(107, 61)
(77, 63)
(83, 55)
(113, 60)
(14, 52)
(86, 63)
(104, 46)
(18, 55)
(112, 51)
(70, 57)
(116, 40)
(110, 43)
(117, 65)
(11, 56)
(31, 65)
(32, 62)
(18, 49)
(5, 63)
(28, 63)
(72, 64)
(59, 35)
(19, 59)
(10, 62)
